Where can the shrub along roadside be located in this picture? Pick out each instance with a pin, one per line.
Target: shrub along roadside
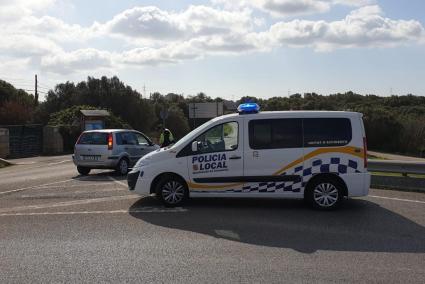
(68, 121)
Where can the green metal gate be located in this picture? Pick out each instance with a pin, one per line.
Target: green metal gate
(25, 140)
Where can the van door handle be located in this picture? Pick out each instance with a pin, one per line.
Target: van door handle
(235, 158)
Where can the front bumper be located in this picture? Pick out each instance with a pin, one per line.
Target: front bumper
(132, 178)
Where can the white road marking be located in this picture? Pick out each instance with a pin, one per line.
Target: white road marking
(70, 194)
(69, 203)
(397, 199)
(75, 185)
(140, 210)
(25, 163)
(34, 187)
(118, 182)
(57, 163)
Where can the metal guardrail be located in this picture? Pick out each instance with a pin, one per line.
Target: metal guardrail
(393, 166)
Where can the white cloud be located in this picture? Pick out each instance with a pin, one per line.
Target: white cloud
(356, 3)
(153, 23)
(78, 60)
(283, 8)
(10, 10)
(27, 45)
(289, 7)
(364, 27)
(170, 54)
(151, 36)
(52, 28)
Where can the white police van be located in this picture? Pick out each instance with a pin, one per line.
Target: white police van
(316, 155)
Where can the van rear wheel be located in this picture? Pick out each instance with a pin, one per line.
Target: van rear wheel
(172, 191)
(324, 194)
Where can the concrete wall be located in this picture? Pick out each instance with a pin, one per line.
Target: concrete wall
(4, 143)
(52, 141)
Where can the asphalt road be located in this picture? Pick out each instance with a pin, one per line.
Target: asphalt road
(56, 226)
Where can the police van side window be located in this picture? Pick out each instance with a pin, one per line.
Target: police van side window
(327, 132)
(275, 133)
(220, 138)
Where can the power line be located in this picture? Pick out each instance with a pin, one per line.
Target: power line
(44, 86)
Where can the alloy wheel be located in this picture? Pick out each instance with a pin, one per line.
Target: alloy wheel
(173, 192)
(325, 194)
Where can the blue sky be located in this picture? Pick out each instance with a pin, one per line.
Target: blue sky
(259, 48)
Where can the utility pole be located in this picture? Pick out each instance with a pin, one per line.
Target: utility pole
(35, 91)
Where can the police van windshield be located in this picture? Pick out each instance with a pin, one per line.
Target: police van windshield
(194, 133)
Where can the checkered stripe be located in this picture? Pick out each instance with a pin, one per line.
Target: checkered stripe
(340, 165)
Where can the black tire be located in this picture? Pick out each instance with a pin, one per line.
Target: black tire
(325, 193)
(83, 170)
(172, 191)
(122, 167)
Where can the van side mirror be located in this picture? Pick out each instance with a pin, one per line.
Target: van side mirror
(195, 146)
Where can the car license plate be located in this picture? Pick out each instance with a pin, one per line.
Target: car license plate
(90, 158)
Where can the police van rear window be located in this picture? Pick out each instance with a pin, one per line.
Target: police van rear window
(327, 132)
(94, 138)
(288, 133)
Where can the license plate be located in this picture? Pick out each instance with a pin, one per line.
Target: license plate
(90, 158)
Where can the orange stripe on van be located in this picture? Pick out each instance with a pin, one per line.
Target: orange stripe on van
(354, 151)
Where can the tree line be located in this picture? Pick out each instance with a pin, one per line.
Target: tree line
(393, 124)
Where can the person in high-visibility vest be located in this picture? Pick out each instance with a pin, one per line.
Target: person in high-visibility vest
(166, 138)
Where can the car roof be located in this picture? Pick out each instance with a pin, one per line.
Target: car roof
(296, 114)
(109, 130)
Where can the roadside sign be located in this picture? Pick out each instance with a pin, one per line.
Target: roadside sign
(205, 110)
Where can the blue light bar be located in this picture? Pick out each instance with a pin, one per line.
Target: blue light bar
(248, 108)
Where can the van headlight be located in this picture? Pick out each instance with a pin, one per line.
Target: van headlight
(140, 163)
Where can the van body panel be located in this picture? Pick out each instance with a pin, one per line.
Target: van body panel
(260, 160)
(342, 156)
(357, 184)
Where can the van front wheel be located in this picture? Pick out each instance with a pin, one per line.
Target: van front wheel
(325, 194)
(172, 191)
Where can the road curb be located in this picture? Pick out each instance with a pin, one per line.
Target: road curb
(5, 163)
(398, 183)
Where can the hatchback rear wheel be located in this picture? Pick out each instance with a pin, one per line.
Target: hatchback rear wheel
(83, 170)
(122, 167)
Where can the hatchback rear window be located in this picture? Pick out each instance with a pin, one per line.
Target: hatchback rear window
(94, 138)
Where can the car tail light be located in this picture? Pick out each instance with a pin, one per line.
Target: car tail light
(110, 141)
(365, 152)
